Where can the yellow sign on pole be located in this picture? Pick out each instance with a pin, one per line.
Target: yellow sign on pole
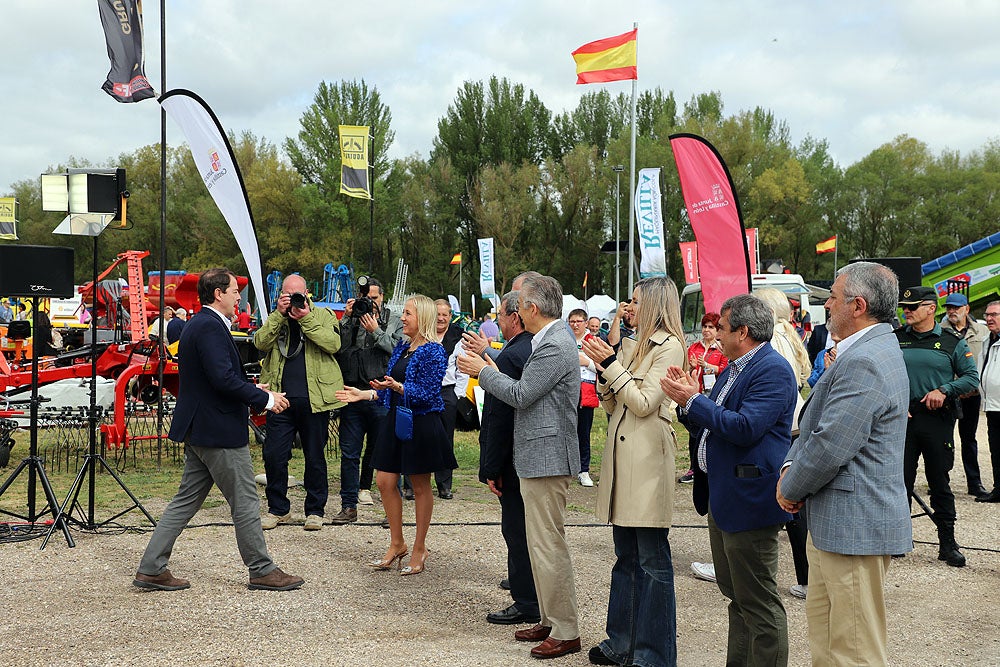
(8, 218)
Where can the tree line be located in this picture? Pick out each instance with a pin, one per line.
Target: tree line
(503, 165)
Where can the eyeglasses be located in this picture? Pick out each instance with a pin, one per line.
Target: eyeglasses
(991, 314)
(576, 321)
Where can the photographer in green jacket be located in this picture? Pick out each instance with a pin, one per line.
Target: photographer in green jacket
(299, 342)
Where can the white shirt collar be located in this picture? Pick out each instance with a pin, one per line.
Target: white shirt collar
(852, 339)
(225, 320)
(537, 338)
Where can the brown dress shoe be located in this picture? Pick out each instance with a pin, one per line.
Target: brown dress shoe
(275, 580)
(345, 516)
(553, 648)
(533, 634)
(164, 581)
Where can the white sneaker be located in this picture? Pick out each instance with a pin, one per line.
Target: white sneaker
(365, 497)
(585, 480)
(799, 591)
(269, 521)
(703, 571)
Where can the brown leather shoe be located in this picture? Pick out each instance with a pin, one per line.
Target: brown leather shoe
(533, 634)
(164, 581)
(275, 580)
(553, 648)
(345, 516)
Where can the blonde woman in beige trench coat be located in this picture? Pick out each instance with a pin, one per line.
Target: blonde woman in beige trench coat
(636, 491)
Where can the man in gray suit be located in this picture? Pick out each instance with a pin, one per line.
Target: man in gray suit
(845, 471)
(546, 456)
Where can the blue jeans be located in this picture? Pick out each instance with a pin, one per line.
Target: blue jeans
(357, 420)
(642, 609)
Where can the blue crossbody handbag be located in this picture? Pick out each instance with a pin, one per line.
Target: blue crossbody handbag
(404, 420)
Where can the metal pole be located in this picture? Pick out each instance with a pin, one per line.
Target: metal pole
(631, 178)
(371, 204)
(162, 348)
(618, 169)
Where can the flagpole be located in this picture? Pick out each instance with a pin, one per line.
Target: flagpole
(460, 260)
(631, 178)
(835, 249)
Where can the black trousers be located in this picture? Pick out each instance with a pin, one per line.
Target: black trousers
(522, 585)
(797, 531)
(932, 435)
(993, 428)
(967, 426)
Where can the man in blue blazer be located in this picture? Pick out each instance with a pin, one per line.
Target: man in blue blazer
(740, 435)
(211, 420)
(847, 468)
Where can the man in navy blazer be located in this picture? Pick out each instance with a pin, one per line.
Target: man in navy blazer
(740, 435)
(211, 420)
(845, 472)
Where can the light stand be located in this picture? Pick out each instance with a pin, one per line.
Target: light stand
(94, 458)
(33, 463)
(91, 224)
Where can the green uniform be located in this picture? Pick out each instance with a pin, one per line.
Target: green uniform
(937, 359)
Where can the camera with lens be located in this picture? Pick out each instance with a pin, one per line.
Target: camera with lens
(363, 304)
(297, 300)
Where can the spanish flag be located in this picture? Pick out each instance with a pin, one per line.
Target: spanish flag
(829, 245)
(457, 259)
(609, 59)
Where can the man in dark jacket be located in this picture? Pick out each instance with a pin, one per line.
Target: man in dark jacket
(496, 464)
(211, 420)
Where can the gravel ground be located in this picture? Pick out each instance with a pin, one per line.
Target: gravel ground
(77, 606)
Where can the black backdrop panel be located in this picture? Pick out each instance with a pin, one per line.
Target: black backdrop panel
(907, 269)
(36, 270)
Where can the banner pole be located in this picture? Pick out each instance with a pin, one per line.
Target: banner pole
(163, 238)
(631, 179)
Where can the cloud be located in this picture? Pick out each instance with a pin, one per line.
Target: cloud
(855, 73)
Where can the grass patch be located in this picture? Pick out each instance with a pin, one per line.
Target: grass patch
(149, 480)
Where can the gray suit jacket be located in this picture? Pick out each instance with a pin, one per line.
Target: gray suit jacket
(848, 461)
(545, 401)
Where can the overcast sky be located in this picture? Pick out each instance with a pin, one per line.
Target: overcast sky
(856, 73)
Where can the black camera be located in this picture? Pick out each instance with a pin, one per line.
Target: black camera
(363, 304)
(297, 300)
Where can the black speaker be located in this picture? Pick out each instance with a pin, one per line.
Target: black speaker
(907, 269)
(36, 271)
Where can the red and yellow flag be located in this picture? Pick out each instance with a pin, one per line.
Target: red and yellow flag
(829, 245)
(585, 274)
(609, 59)
(457, 259)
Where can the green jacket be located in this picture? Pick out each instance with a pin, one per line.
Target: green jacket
(321, 333)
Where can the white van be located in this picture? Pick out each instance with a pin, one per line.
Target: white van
(693, 308)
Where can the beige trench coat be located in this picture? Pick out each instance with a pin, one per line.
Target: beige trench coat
(637, 472)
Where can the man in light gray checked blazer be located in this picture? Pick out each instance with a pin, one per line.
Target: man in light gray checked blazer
(845, 472)
(546, 455)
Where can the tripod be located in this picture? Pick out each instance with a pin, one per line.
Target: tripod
(93, 459)
(34, 464)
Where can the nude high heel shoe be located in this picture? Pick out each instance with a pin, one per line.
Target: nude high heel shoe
(415, 568)
(394, 559)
